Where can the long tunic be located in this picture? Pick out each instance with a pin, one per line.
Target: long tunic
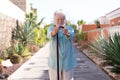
(67, 58)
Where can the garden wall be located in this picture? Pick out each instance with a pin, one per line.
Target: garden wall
(8, 16)
(6, 25)
(93, 26)
(92, 34)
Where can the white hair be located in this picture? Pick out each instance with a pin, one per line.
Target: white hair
(59, 12)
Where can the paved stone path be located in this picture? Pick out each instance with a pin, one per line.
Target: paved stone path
(36, 68)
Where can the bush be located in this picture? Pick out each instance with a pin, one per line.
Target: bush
(80, 36)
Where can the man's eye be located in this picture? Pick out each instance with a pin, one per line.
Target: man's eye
(59, 19)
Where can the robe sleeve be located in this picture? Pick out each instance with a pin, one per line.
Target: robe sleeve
(50, 29)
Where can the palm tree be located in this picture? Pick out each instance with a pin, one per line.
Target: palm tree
(80, 24)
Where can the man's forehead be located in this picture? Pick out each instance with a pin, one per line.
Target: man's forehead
(59, 15)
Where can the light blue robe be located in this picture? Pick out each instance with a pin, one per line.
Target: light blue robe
(67, 58)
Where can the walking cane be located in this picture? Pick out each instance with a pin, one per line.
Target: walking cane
(57, 41)
(57, 58)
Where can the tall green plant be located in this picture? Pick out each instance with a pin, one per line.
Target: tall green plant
(99, 43)
(81, 36)
(79, 22)
(26, 33)
(110, 50)
(18, 49)
(40, 36)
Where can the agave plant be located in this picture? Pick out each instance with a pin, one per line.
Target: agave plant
(99, 43)
(25, 33)
(110, 49)
(112, 52)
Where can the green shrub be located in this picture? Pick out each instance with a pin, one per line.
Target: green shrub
(81, 36)
(40, 38)
(9, 52)
(81, 22)
(19, 48)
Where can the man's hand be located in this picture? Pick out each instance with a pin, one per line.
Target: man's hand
(55, 31)
(66, 32)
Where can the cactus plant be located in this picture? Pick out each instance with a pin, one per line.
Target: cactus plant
(15, 58)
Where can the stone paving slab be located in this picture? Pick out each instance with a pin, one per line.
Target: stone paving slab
(36, 68)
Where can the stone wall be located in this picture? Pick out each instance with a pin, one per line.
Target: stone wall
(6, 25)
(8, 16)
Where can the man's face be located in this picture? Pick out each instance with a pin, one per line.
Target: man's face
(59, 19)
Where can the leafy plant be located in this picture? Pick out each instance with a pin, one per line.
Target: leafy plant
(41, 37)
(79, 22)
(46, 27)
(81, 36)
(9, 52)
(26, 33)
(18, 49)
